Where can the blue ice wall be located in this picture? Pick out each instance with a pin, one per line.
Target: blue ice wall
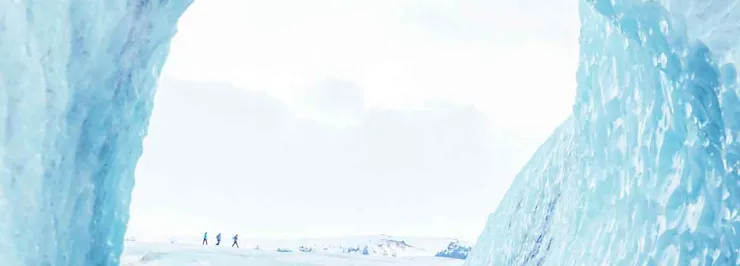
(646, 170)
(77, 81)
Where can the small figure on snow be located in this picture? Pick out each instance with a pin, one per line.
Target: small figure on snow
(205, 239)
(236, 238)
(218, 239)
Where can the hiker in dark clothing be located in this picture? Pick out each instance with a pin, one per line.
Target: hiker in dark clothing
(218, 239)
(236, 238)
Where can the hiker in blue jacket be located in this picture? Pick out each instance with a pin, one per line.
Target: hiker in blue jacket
(236, 238)
(218, 239)
(205, 239)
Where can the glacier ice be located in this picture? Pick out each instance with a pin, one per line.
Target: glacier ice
(76, 86)
(645, 171)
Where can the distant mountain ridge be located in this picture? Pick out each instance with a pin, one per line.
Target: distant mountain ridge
(374, 245)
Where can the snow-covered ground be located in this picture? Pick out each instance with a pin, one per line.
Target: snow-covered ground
(358, 250)
(152, 254)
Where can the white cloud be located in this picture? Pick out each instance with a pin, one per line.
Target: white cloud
(245, 160)
(370, 91)
(403, 53)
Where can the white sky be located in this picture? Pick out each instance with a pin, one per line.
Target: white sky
(320, 118)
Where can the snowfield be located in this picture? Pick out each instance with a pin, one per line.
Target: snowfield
(152, 254)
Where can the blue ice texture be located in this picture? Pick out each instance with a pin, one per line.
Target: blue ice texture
(646, 169)
(77, 79)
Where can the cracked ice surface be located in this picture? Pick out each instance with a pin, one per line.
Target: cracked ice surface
(76, 88)
(646, 170)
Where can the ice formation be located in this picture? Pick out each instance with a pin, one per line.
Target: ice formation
(76, 86)
(646, 170)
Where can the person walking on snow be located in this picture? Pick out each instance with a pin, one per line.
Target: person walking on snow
(236, 238)
(205, 239)
(218, 239)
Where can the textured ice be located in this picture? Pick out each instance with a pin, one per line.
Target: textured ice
(76, 85)
(646, 170)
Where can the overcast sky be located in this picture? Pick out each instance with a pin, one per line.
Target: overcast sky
(323, 118)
